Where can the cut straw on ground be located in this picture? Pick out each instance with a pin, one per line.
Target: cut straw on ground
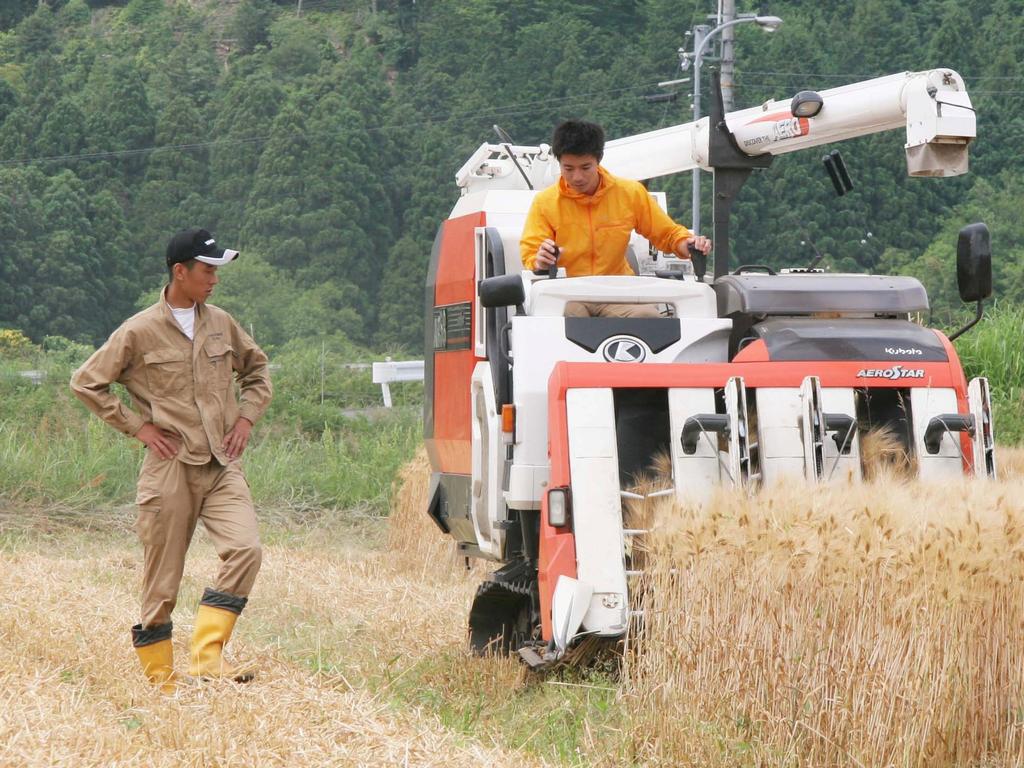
(334, 628)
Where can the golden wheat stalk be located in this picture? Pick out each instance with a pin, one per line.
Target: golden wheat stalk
(874, 624)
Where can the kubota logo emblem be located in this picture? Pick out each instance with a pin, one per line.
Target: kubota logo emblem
(624, 349)
(896, 372)
(903, 351)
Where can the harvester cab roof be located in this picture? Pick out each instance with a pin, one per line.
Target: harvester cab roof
(540, 426)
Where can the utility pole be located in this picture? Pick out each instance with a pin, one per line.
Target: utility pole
(728, 53)
(699, 33)
(702, 35)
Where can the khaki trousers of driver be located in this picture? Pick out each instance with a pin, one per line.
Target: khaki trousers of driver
(593, 309)
(172, 498)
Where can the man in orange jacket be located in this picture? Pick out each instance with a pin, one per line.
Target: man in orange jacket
(589, 215)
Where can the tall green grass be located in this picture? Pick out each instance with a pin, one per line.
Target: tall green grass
(995, 348)
(81, 463)
(319, 446)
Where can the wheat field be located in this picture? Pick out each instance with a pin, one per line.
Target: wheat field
(871, 625)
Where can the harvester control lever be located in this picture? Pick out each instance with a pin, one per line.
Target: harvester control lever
(697, 425)
(699, 261)
(552, 271)
(843, 424)
(943, 423)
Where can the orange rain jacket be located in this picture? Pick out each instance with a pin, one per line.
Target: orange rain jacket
(593, 230)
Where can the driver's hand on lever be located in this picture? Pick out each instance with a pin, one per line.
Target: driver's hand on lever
(699, 242)
(546, 254)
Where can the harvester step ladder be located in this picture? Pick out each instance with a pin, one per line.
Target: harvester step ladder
(979, 401)
(739, 435)
(812, 428)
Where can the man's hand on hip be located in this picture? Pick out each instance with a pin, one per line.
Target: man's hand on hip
(163, 443)
(237, 439)
(699, 242)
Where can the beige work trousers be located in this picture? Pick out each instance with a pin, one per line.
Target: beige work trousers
(172, 498)
(593, 309)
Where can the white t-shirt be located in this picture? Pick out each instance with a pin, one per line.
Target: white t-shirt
(186, 319)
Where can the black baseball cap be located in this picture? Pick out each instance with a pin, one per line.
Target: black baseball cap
(197, 244)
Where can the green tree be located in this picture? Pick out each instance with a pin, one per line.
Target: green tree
(16, 133)
(75, 14)
(251, 24)
(346, 218)
(174, 172)
(13, 11)
(295, 47)
(139, 12)
(279, 190)
(37, 33)
(119, 122)
(68, 273)
(243, 121)
(8, 100)
(63, 130)
(187, 68)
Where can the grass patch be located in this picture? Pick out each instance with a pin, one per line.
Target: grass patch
(993, 349)
(307, 455)
(78, 463)
(572, 718)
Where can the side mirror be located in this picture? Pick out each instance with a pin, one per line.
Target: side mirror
(974, 263)
(501, 291)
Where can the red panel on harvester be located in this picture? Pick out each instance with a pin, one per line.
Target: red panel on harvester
(453, 345)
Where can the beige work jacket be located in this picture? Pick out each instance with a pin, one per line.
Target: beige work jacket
(185, 387)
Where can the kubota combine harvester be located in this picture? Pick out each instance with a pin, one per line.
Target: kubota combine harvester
(536, 424)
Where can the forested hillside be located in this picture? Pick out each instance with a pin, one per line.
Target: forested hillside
(322, 138)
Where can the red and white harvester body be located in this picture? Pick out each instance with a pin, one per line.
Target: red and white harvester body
(537, 424)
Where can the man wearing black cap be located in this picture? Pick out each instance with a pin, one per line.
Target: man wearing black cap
(179, 361)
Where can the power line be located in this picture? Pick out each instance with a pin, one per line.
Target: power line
(132, 152)
(522, 108)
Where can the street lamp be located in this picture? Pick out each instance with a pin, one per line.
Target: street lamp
(702, 34)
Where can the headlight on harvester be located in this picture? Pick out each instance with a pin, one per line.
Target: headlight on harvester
(806, 104)
(559, 507)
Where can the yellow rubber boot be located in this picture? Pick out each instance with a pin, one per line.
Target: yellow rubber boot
(211, 633)
(158, 665)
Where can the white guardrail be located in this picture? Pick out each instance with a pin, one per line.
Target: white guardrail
(386, 373)
(395, 371)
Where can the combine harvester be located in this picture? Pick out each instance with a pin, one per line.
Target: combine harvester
(537, 424)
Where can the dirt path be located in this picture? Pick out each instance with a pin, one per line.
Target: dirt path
(334, 626)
